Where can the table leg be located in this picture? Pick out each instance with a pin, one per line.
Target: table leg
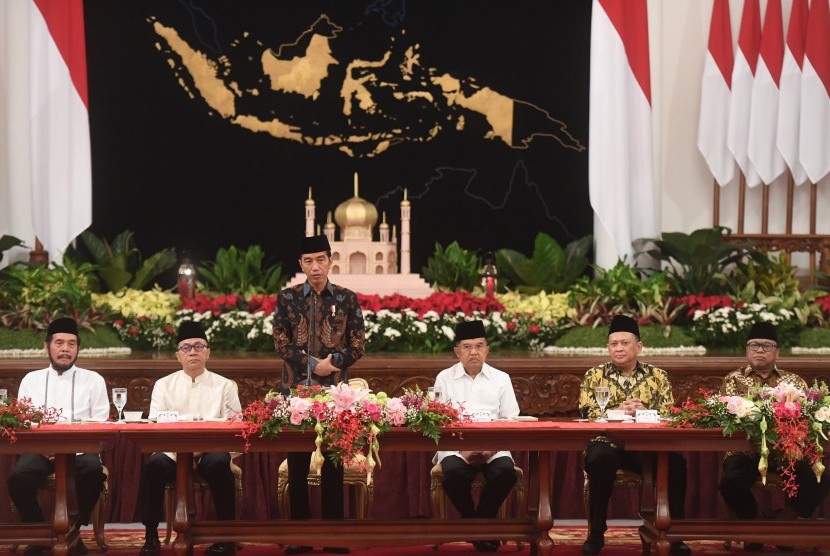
(66, 504)
(185, 505)
(662, 515)
(540, 467)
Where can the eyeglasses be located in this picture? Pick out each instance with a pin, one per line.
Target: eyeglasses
(195, 347)
(761, 346)
(471, 347)
(621, 343)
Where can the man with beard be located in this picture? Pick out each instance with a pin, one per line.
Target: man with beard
(78, 394)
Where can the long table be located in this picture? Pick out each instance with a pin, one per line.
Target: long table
(540, 439)
(62, 441)
(658, 526)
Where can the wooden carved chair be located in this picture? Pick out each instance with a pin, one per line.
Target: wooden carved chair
(200, 485)
(98, 516)
(438, 498)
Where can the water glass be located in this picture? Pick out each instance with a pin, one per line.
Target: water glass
(602, 395)
(434, 393)
(3, 395)
(119, 400)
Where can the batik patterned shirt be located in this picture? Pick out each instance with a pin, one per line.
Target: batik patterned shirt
(328, 323)
(648, 383)
(741, 381)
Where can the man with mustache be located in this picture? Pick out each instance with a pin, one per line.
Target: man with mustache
(480, 389)
(740, 470)
(79, 394)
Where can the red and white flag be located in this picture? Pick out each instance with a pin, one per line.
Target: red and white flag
(61, 170)
(714, 96)
(743, 74)
(814, 132)
(620, 172)
(763, 120)
(789, 97)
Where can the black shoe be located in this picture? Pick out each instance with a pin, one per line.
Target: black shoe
(486, 546)
(593, 545)
(36, 550)
(221, 549)
(79, 549)
(152, 547)
(753, 547)
(680, 549)
(337, 550)
(298, 549)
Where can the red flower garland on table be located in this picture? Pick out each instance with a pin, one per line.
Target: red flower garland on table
(19, 414)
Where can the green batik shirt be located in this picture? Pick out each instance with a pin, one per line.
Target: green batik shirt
(741, 381)
(649, 384)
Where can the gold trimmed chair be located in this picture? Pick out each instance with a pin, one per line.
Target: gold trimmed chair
(354, 476)
(438, 498)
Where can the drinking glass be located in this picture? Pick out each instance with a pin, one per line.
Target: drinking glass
(434, 393)
(119, 400)
(602, 394)
(3, 395)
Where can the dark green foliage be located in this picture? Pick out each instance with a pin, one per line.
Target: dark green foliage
(551, 268)
(120, 263)
(241, 271)
(652, 336)
(697, 263)
(453, 268)
(814, 338)
(31, 296)
(7, 242)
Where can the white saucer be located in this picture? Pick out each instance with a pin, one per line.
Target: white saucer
(628, 418)
(525, 418)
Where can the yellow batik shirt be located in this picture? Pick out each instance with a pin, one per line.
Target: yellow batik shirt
(741, 381)
(648, 383)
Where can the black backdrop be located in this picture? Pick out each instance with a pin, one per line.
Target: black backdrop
(180, 175)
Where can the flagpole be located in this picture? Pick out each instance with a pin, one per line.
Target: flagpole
(790, 191)
(716, 204)
(741, 201)
(765, 208)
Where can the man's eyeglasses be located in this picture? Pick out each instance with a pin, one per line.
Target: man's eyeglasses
(185, 348)
(761, 346)
(621, 343)
(471, 347)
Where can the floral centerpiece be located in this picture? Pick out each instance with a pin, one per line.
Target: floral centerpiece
(18, 414)
(348, 420)
(786, 424)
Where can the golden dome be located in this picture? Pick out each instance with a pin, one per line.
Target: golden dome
(355, 211)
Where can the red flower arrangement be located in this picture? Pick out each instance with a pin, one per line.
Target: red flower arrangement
(18, 414)
(439, 302)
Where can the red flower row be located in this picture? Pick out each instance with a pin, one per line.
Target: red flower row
(439, 302)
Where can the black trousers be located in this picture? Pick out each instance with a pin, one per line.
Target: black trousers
(331, 487)
(458, 480)
(740, 472)
(602, 460)
(160, 469)
(31, 472)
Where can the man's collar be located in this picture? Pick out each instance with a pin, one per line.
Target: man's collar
(638, 369)
(54, 370)
(461, 371)
(307, 289)
(750, 371)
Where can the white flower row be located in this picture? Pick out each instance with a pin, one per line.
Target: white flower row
(647, 351)
(85, 352)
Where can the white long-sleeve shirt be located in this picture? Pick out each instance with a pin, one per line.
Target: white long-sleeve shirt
(78, 393)
(491, 390)
(209, 396)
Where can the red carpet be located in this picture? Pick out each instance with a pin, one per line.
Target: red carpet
(620, 541)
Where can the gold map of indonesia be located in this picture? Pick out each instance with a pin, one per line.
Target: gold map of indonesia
(374, 122)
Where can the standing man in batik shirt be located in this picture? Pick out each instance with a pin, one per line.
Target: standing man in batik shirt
(740, 470)
(633, 385)
(318, 332)
(79, 394)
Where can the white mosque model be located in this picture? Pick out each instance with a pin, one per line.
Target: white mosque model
(357, 261)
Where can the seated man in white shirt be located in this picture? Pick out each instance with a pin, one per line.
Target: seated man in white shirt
(79, 394)
(483, 391)
(193, 392)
